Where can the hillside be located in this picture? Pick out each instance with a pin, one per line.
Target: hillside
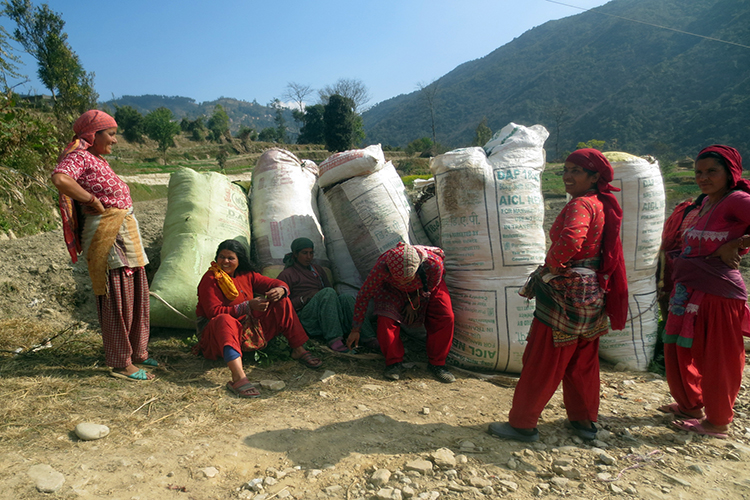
(642, 89)
(240, 113)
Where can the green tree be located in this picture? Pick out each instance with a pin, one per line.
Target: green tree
(131, 122)
(482, 134)
(419, 146)
(8, 60)
(592, 143)
(218, 124)
(342, 125)
(40, 31)
(313, 128)
(268, 134)
(159, 126)
(281, 136)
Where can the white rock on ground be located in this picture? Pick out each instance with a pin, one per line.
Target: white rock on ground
(91, 432)
(272, 385)
(46, 479)
(380, 477)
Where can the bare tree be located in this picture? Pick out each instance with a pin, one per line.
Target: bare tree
(297, 92)
(351, 88)
(559, 115)
(428, 92)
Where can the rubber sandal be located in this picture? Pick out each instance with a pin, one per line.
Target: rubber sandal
(148, 362)
(338, 345)
(505, 431)
(674, 409)
(310, 361)
(243, 388)
(586, 433)
(694, 425)
(139, 376)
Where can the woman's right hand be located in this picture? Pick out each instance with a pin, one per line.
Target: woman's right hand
(353, 338)
(729, 253)
(258, 304)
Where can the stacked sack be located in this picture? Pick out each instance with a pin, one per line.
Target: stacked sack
(491, 216)
(369, 204)
(284, 208)
(427, 209)
(203, 209)
(643, 203)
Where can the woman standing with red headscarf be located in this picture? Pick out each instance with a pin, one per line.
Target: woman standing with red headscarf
(704, 352)
(583, 281)
(111, 240)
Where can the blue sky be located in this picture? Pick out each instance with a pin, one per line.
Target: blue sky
(251, 49)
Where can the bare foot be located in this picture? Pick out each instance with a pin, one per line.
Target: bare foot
(714, 428)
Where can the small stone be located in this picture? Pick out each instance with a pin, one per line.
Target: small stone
(324, 394)
(559, 482)
(607, 459)
(333, 490)
(91, 432)
(371, 387)
(209, 472)
(255, 484)
(562, 462)
(428, 495)
(465, 444)
(615, 489)
(270, 481)
(676, 479)
(479, 482)
(407, 491)
(283, 494)
(630, 490)
(272, 385)
(313, 473)
(599, 443)
(696, 468)
(509, 485)
(603, 476)
(461, 459)
(443, 458)
(512, 463)
(388, 494)
(422, 466)
(733, 456)
(425, 411)
(362, 408)
(46, 479)
(380, 477)
(327, 376)
(566, 471)
(603, 434)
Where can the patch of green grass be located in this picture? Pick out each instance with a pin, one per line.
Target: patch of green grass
(145, 192)
(409, 179)
(552, 182)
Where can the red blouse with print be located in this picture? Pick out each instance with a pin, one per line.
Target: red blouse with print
(577, 231)
(96, 176)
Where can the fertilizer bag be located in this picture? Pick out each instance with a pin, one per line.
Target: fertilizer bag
(203, 209)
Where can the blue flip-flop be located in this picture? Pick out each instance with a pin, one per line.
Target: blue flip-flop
(506, 431)
(139, 376)
(148, 362)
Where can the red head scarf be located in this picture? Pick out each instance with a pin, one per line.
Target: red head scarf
(612, 274)
(734, 164)
(85, 128)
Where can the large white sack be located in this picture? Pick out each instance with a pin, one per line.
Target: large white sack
(374, 213)
(427, 209)
(491, 214)
(203, 209)
(347, 164)
(643, 202)
(492, 322)
(284, 208)
(346, 277)
(634, 345)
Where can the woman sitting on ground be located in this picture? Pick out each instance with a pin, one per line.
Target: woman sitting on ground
(323, 313)
(241, 310)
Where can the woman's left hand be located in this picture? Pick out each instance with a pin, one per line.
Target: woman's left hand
(275, 294)
(729, 253)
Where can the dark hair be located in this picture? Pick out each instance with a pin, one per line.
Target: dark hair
(244, 264)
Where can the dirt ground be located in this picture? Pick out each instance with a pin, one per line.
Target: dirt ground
(184, 436)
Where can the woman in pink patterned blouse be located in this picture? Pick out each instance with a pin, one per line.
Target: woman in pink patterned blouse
(110, 237)
(407, 286)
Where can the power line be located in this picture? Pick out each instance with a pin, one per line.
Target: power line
(651, 24)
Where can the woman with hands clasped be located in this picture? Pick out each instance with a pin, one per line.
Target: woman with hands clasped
(241, 310)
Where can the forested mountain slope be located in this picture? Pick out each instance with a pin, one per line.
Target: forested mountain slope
(642, 89)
